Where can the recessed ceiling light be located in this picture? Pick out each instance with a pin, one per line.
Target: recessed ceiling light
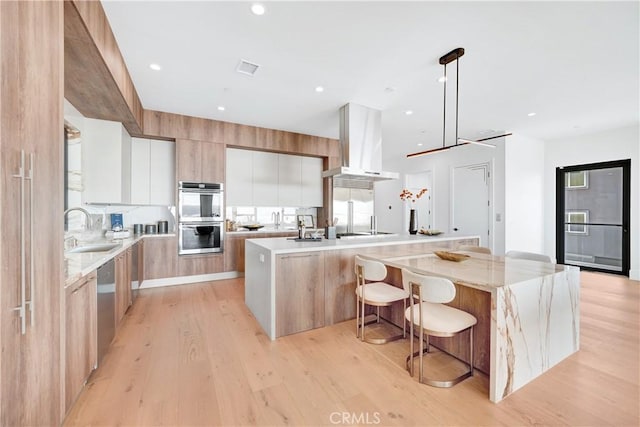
(531, 114)
(221, 108)
(319, 89)
(155, 67)
(442, 79)
(408, 112)
(419, 144)
(257, 9)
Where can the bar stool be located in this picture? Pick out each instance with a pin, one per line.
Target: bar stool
(370, 290)
(472, 248)
(435, 319)
(528, 255)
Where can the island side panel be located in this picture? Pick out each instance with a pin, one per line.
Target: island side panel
(537, 325)
(299, 292)
(259, 286)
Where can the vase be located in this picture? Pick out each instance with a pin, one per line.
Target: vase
(413, 225)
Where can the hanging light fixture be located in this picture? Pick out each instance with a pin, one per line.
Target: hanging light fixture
(454, 55)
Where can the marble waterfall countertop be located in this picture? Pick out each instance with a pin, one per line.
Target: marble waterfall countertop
(534, 311)
(77, 265)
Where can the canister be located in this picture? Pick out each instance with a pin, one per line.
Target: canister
(163, 227)
(150, 229)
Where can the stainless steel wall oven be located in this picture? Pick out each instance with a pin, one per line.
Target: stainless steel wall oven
(200, 217)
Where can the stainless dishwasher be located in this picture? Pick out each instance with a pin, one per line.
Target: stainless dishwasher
(106, 307)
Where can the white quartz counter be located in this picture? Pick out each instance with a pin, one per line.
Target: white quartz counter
(264, 230)
(283, 245)
(80, 264)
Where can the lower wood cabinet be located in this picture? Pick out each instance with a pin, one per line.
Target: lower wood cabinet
(81, 350)
(234, 247)
(191, 265)
(123, 284)
(299, 292)
(160, 256)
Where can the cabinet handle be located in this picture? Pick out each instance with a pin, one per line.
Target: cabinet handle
(23, 267)
(31, 263)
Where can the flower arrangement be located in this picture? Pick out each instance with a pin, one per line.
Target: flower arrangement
(407, 195)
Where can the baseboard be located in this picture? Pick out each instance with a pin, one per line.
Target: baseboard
(634, 274)
(186, 280)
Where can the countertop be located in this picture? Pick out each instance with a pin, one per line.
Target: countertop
(264, 230)
(283, 245)
(79, 265)
(480, 271)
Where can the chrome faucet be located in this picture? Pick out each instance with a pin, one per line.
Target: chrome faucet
(275, 216)
(88, 222)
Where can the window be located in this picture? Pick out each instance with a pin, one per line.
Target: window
(578, 179)
(577, 222)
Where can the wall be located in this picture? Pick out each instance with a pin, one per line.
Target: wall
(524, 194)
(616, 144)
(387, 194)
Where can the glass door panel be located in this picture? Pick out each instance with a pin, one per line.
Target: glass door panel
(593, 216)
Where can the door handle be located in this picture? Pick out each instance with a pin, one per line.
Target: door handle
(21, 309)
(455, 228)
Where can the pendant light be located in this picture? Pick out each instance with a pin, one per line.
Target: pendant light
(454, 55)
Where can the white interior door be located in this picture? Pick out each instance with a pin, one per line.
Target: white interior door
(415, 182)
(470, 201)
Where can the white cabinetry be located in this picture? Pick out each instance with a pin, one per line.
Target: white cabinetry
(265, 178)
(259, 178)
(153, 165)
(106, 162)
(239, 180)
(289, 180)
(311, 181)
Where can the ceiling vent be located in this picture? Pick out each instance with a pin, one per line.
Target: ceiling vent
(246, 67)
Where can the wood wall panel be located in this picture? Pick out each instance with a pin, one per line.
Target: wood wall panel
(96, 25)
(31, 119)
(159, 124)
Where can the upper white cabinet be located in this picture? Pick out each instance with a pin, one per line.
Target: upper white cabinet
(239, 179)
(289, 180)
(259, 178)
(311, 181)
(265, 178)
(106, 162)
(153, 165)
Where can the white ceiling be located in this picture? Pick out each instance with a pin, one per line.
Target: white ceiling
(575, 64)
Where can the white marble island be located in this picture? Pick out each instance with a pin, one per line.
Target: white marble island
(534, 318)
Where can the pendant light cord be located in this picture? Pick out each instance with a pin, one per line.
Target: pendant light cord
(444, 109)
(457, 80)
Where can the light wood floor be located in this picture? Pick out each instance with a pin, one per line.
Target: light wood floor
(194, 356)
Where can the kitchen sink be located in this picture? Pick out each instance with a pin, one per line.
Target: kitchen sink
(93, 247)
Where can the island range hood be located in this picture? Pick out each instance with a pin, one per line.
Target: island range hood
(361, 145)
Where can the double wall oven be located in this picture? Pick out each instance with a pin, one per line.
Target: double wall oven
(200, 217)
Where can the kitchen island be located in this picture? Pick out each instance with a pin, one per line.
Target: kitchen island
(528, 313)
(295, 286)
